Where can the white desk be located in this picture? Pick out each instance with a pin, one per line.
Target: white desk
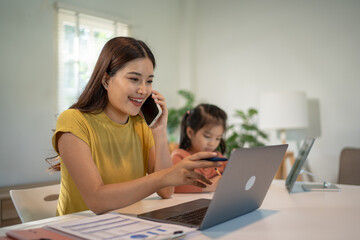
(300, 215)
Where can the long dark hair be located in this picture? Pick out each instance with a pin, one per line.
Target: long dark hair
(202, 115)
(114, 55)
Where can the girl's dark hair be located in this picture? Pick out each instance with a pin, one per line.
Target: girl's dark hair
(202, 115)
(114, 55)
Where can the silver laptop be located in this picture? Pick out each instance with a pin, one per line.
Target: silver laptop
(241, 190)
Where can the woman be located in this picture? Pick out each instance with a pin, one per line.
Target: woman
(109, 157)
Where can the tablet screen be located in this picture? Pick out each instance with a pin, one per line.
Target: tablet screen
(299, 163)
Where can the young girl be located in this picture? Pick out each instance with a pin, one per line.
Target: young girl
(109, 157)
(202, 130)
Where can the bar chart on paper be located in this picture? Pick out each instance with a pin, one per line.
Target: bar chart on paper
(117, 226)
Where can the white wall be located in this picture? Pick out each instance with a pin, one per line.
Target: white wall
(245, 48)
(228, 52)
(27, 92)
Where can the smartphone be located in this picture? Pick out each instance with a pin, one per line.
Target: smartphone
(216, 159)
(151, 111)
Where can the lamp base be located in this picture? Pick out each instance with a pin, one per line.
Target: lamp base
(283, 136)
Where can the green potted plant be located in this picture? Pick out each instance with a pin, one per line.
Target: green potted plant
(246, 133)
(176, 114)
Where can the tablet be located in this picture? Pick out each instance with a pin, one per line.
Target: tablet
(299, 163)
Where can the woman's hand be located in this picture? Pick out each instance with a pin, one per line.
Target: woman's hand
(183, 172)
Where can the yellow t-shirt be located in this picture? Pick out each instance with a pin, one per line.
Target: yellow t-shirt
(120, 152)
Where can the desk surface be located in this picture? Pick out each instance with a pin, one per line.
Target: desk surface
(299, 215)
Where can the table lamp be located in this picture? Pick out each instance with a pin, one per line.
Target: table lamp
(283, 111)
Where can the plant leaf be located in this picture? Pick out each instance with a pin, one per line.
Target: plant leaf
(252, 112)
(241, 114)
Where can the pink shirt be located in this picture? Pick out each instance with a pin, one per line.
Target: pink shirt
(179, 154)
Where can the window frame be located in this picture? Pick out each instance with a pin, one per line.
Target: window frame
(71, 60)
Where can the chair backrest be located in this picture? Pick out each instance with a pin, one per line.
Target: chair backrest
(36, 203)
(349, 169)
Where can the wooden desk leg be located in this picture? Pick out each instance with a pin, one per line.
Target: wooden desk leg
(280, 172)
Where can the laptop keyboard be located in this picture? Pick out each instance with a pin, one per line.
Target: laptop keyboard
(194, 217)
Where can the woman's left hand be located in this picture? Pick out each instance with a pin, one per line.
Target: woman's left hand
(161, 123)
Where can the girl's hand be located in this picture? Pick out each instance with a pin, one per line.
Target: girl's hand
(183, 172)
(161, 123)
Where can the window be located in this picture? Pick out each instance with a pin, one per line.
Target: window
(80, 40)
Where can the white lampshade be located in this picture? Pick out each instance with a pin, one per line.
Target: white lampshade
(283, 110)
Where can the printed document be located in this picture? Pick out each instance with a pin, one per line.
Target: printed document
(116, 226)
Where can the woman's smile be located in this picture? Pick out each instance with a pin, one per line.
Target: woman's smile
(136, 101)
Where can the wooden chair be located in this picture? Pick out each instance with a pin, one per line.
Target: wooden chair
(36, 203)
(349, 169)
